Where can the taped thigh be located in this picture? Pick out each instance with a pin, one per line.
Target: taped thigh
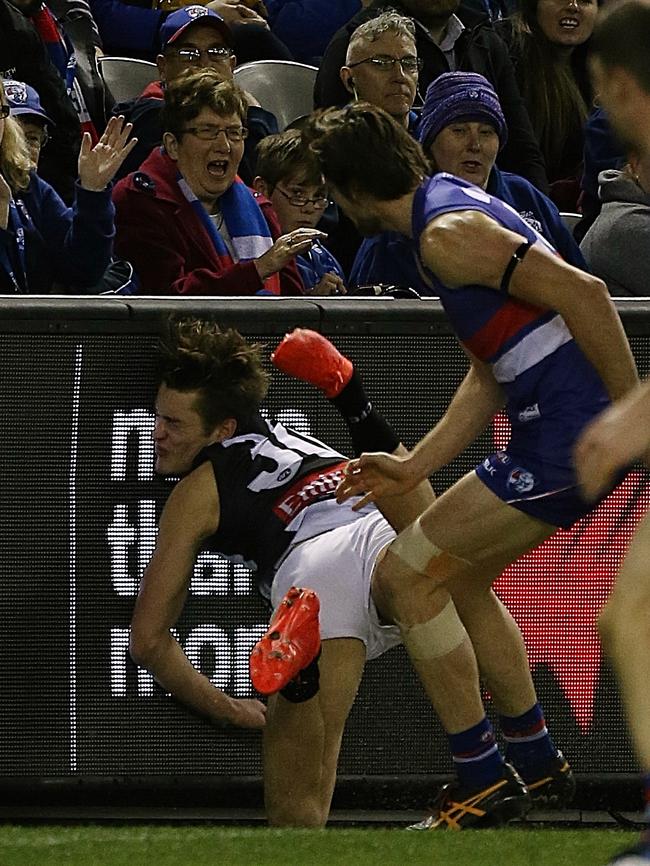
(416, 551)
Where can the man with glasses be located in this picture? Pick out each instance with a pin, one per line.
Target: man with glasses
(290, 178)
(382, 65)
(191, 38)
(446, 39)
(187, 221)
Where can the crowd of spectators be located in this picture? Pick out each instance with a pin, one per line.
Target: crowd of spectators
(205, 194)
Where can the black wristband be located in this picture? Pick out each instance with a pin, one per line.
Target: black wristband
(517, 256)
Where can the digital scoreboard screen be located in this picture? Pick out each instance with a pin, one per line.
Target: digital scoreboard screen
(79, 511)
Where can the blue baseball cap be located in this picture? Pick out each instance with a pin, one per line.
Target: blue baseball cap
(23, 99)
(178, 22)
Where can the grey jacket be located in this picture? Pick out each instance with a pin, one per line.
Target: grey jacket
(616, 246)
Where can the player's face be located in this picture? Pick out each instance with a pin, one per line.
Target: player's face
(360, 212)
(627, 106)
(179, 434)
(466, 149)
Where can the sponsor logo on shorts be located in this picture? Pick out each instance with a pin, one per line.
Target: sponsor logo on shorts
(530, 413)
(307, 490)
(521, 480)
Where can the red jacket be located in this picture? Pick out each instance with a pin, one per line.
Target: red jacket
(161, 235)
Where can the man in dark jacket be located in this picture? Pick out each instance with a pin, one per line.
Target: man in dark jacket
(445, 43)
(23, 56)
(186, 32)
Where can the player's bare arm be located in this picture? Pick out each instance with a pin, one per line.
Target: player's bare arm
(454, 246)
(477, 400)
(611, 442)
(190, 516)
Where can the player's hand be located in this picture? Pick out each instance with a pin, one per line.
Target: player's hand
(373, 476)
(610, 443)
(244, 713)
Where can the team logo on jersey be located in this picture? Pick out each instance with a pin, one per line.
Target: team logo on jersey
(521, 480)
(530, 413)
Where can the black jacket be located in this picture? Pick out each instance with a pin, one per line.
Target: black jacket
(24, 56)
(478, 49)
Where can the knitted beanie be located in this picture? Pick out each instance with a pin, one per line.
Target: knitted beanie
(456, 96)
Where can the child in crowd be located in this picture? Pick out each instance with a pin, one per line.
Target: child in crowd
(292, 181)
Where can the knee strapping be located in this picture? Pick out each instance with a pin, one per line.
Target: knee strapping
(416, 551)
(435, 638)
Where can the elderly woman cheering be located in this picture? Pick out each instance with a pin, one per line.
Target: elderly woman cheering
(187, 221)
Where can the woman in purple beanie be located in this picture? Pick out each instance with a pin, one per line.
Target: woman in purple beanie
(462, 129)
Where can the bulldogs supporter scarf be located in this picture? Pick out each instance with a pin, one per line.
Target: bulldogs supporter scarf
(248, 230)
(62, 56)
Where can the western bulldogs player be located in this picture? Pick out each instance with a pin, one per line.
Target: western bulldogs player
(544, 342)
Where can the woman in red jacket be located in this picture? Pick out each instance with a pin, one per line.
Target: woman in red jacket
(186, 220)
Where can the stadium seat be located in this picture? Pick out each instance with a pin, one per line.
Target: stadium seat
(570, 219)
(280, 86)
(125, 77)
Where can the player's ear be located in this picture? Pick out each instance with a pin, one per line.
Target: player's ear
(227, 429)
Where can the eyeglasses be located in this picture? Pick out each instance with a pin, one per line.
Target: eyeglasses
(299, 199)
(234, 134)
(36, 140)
(5, 110)
(194, 55)
(410, 65)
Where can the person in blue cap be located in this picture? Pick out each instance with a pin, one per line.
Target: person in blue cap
(26, 107)
(192, 38)
(45, 246)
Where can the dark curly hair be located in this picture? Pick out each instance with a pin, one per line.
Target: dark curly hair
(226, 370)
(362, 150)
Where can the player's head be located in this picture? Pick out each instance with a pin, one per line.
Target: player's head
(365, 155)
(211, 381)
(621, 69)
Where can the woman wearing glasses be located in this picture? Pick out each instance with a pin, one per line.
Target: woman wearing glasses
(186, 221)
(44, 245)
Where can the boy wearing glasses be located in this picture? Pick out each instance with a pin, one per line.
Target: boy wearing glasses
(291, 180)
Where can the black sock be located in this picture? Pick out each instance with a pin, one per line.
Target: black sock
(369, 430)
(304, 685)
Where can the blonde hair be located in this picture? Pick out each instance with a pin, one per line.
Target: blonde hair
(14, 155)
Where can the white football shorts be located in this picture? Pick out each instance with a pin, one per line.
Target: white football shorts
(338, 566)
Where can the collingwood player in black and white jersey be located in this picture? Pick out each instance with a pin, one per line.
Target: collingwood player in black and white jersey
(265, 495)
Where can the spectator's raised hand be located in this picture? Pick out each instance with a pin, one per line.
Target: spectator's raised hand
(98, 164)
(236, 13)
